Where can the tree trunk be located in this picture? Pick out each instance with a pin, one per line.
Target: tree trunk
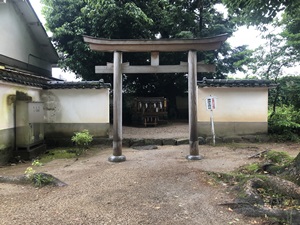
(293, 170)
(251, 203)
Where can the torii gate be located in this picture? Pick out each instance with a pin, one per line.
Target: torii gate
(117, 46)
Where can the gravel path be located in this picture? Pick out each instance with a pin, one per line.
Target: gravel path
(151, 187)
(171, 130)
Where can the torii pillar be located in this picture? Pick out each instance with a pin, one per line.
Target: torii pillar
(117, 114)
(155, 46)
(192, 98)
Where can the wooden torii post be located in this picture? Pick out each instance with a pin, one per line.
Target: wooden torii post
(155, 46)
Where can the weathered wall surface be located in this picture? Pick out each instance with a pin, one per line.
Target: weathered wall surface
(8, 96)
(72, 110)
(66, 111)
(17, 41)
(239, 111)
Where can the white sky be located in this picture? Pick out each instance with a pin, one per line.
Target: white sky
(246, 36)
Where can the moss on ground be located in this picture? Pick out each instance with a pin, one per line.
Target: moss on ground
(279, 158)
(271, 198)
(58, 153)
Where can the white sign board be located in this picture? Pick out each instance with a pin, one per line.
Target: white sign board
(211, 103)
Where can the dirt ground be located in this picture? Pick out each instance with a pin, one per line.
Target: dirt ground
(151, 187)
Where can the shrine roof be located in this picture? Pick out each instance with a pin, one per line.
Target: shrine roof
(155, 45)
(235, 83)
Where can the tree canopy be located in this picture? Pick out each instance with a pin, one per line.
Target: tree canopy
(68, 20)
(259, 13)
(256, 12)
(291, 23)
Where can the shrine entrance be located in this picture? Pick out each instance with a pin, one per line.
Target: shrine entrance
(117, 68)
(149, 111)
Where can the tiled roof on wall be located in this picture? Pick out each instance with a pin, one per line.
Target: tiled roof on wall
(235, 83)
(9, 74)
(77, 85)
(12, 75)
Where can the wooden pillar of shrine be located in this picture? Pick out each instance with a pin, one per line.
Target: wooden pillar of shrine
(192, 100)
(117, 114)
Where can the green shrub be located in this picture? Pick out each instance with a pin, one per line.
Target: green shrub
(41, 179)
(285, 123)
(82, 140)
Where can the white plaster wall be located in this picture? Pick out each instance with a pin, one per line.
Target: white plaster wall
(77, 105)
(16, 40)
(234, 104)
(6, 102)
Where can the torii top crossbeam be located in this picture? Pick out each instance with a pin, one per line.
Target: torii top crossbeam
(157, 45)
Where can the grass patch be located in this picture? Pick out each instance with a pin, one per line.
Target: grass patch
(252, 168)
(58, 153)
(279, 158)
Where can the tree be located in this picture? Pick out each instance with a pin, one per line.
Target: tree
(283, 48)
(265, 12)
(68, 20)
(290, 91)
(291, 23)
(270, 60)
(282, 51)
(257, 12)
